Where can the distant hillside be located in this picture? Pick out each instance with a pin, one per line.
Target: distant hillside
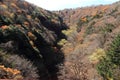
(72, 16)
(91, 44)
(29, 36)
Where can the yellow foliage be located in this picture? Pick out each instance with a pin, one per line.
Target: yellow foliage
(68, 31)
(109, 78)
(97, 55)
(32, 44)
(4, 6)
(62, 42)
(11, 15)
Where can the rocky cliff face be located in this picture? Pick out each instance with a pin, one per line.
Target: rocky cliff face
(31, 32)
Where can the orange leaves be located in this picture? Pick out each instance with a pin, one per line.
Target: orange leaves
(94, 13)
(84, 19)
(14, 5)
(54, 20)
(13, 71)
(105, 8)
(99, 11)
(4, 27)
(29, 17)
(26, 23)
(31, 36)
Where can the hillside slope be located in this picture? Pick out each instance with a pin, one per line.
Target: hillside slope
(92, 41)
(29, 36)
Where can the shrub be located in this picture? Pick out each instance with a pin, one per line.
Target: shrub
(4, 6)
(67, 32)
(4, 20)
(31, 36)
(97, 55)
(73, 69)
(108, 28)
(109, 64)
(26, 68)
(81, 22)
(90, 28)
(62, 42)
(9, 73)
(70, 34)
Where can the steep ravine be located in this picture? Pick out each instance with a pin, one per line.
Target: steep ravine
(71, 44)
